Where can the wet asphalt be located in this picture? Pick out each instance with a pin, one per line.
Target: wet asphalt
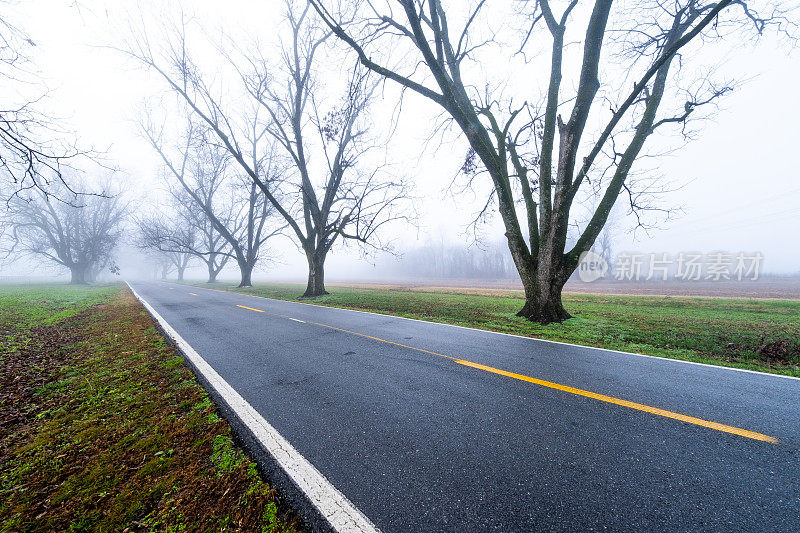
(419, 442)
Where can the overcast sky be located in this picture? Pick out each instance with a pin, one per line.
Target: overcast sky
(736, 182)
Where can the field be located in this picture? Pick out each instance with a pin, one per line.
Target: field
(756, 334)
(105, 429)
(772, 287)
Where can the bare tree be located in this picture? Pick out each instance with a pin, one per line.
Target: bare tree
(185, 231)
(34, 153)
(536, 159)
(78, 236)
(208, 245)
(345, 200)
(170, 238)
(162, 266)
(245, 221)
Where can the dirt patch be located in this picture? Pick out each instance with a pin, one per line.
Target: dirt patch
(781, 352)
(104, 428)
(27, 364)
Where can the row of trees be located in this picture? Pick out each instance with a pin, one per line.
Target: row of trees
(539, 159)
(212, 214)
(297, 153)
(302, 152)
(290, 162)
(83, 234)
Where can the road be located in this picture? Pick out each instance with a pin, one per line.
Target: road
(429, 427)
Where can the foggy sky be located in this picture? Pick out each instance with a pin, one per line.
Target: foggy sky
(736, 182)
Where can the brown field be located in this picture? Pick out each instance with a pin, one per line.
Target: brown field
(784, 288)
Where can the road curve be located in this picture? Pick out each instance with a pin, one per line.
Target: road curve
(429, 427)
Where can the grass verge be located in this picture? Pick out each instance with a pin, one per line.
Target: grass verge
(759, 335)
(105, 429)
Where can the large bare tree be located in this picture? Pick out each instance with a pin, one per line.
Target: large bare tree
(78, 232)
(539, 159)
(344, 199)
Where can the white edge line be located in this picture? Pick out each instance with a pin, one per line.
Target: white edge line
(334, 506)
(619, 352)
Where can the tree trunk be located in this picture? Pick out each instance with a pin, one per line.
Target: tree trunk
(543, 302)
(180, 273)
(543, 283)
(316, 276)
(212, 273)
(247, 273)
(77, 275)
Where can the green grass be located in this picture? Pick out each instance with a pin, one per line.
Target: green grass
(23, 306)
(105, 429)
(709, 330)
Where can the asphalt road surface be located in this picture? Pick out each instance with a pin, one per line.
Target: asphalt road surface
(428, 427)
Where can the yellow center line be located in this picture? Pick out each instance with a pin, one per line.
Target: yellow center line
(625, 403)
(383, 340)
(193, 294)
(172, 288)
(564, 388)
(250, 308)
(580, 392)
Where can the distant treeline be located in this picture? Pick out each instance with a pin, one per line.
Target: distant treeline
(442, 260)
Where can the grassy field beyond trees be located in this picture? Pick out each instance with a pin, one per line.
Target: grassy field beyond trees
(745, 333)
(105, 429)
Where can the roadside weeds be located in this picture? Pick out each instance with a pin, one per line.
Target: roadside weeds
(105, 428)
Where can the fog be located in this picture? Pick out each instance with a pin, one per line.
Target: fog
(733, 187)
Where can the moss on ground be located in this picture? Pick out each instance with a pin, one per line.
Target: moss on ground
(105, 429)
